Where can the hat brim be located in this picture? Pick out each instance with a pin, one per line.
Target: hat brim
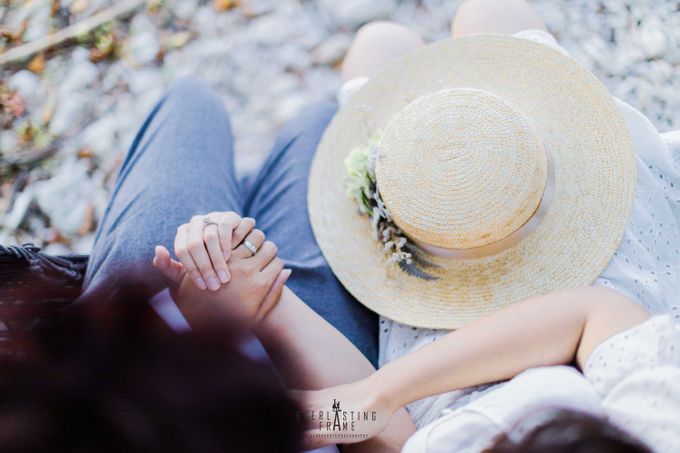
(594, 182)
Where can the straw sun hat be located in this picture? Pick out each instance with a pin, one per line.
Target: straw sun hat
(506, 155)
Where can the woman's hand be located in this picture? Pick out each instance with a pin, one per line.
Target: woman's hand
(204, 249)
(362, 413)
(255, 283)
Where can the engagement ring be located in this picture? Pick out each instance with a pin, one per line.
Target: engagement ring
(250, 246)
(208, 221)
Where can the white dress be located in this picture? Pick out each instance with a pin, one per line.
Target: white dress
(632, 378)
(646, 268)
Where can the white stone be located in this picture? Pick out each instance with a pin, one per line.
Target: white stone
(79, 77)
(143, 47)
(56, 249)
(144, 80)
(270, 29)
(332, 50)
(19, 209)
(99, 136)
(79, 54)
(70, 110)
(352, 13)
(185, 9)
(38, 24)
(659, 72)
(28, 85)
(293, 57)
(205, 21)
(651, 37)
(64, 198)
(8, 141)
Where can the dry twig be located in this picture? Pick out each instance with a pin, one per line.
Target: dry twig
(71, 32)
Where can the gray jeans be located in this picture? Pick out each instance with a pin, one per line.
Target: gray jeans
(181, 164)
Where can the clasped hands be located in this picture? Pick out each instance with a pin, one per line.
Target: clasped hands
(217, 268)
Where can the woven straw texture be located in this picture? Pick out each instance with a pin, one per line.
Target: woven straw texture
(579, 126)
(460, 168)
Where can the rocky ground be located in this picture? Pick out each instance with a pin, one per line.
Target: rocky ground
(67, 116)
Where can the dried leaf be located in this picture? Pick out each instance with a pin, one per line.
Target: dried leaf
(85, 153)
(30, 133)
(178, 40)
(56, 5)
(223, 5)
(8, 36)
(247, 11)
(88, 221)
(420, 257)
(48, 109)
(12, 105)
(413, 270)
(104, 42)
(154, 5)
(37, 64)
(78, 6)
(17, 105)
(52, 235)
(5, 110)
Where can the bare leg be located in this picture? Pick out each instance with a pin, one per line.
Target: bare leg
(375, 45)
(505, 17)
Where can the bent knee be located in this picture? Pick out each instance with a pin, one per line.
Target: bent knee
(375, 45)
(190, 97)
(189, 88)
(386, 30)
(491, 16)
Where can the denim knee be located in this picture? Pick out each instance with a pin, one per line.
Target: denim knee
(189, 94)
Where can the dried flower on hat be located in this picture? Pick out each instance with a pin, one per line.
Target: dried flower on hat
(362, 188)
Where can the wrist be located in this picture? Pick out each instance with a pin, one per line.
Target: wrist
(381, 391)
(275, 321)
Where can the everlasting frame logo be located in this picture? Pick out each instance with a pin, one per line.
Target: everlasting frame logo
(339, 423)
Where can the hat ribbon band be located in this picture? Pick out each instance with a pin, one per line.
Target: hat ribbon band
(510, 240)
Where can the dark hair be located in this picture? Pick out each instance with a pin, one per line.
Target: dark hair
(569, 431)
(116, 378)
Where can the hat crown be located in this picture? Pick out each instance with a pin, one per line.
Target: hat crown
(461, 168)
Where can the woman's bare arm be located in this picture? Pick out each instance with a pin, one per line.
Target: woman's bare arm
(322, 357)
(554, 329)
(558, 328)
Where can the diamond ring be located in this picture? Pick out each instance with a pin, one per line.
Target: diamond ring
(208, 221)
(250, 246)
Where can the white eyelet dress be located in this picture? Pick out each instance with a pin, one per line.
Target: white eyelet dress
(646, 268)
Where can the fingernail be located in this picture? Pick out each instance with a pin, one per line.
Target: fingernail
(288, 272)
(213, 283)
(222, 274)
(200, 283)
